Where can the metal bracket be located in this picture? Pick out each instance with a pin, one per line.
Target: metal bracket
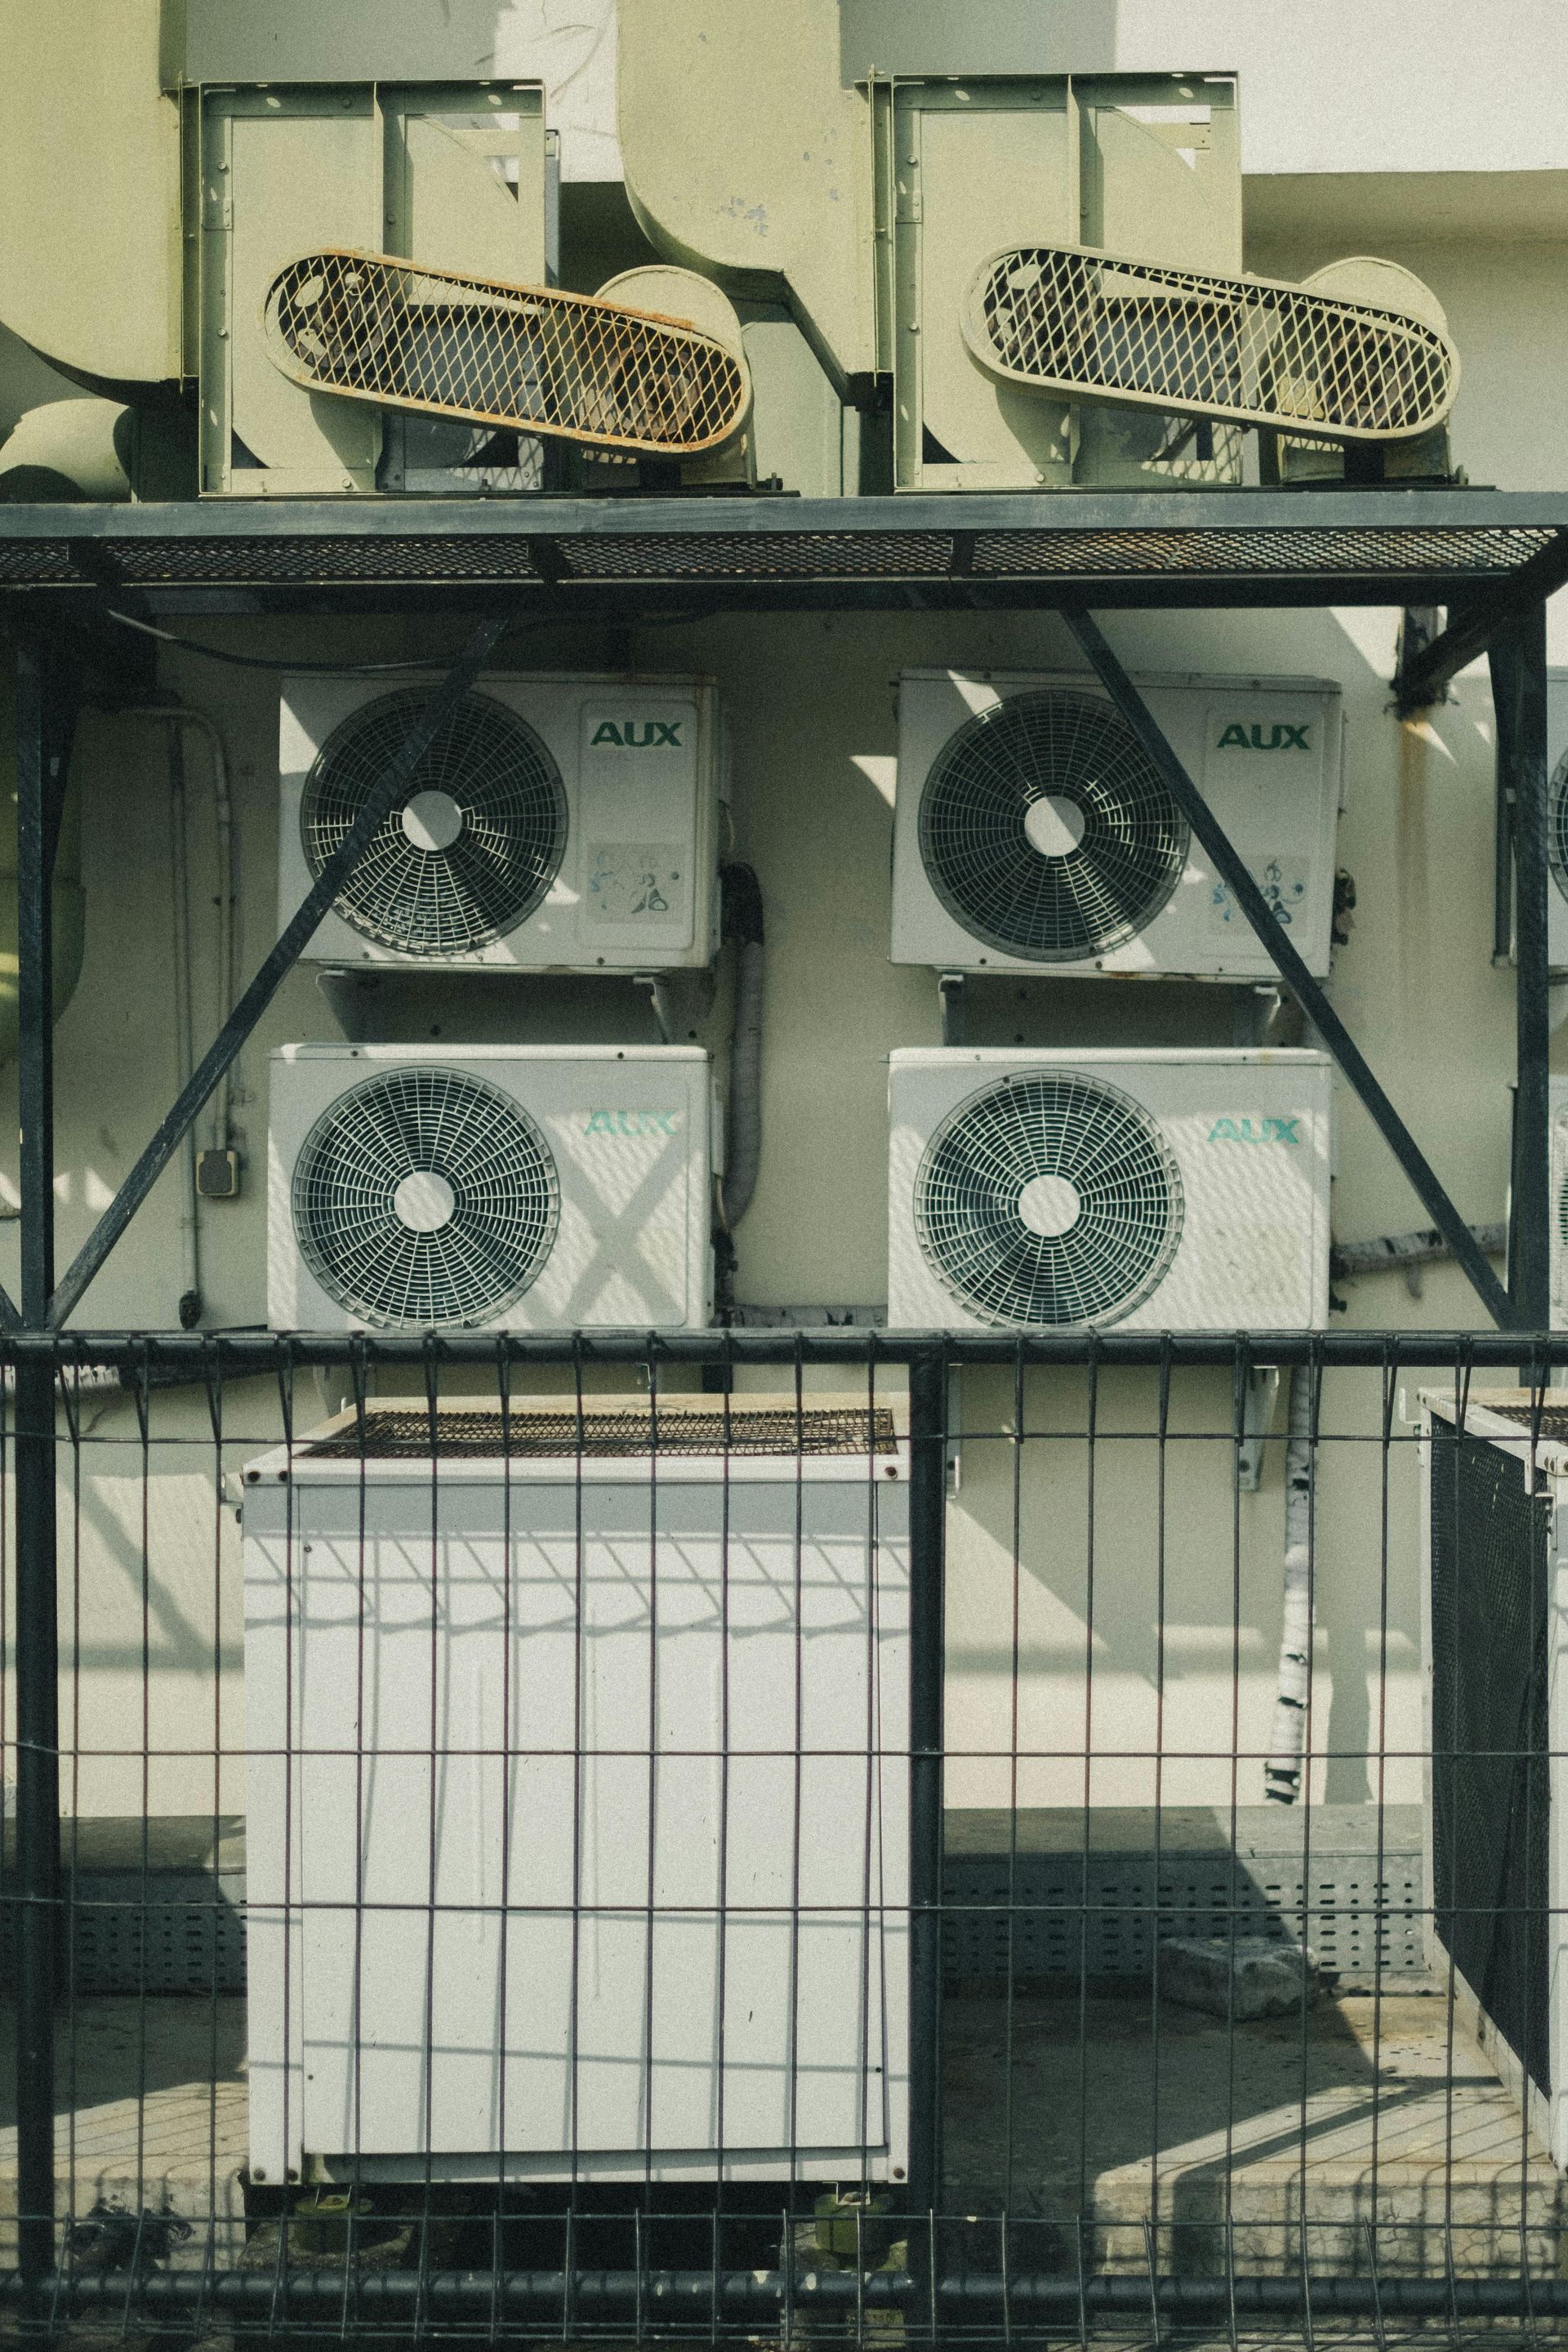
(1257, 1403)
(658, 997)
(952, 997)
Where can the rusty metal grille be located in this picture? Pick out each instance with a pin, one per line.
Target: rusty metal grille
(1248, 350)
(393, 1433)
(369, 327)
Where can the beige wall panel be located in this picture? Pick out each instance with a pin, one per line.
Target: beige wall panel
(90, 189)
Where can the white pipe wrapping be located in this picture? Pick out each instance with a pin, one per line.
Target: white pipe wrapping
(1282, 1774)
(1395, 1252)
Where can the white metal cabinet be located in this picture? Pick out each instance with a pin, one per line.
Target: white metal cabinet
(608, 1816)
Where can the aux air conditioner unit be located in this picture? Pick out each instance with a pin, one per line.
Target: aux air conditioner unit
(1557, 819)
(578, 1794)
(1032, 832)
(1559, 1203)
(493, 1187)
(1494, 1638)
(1160, 1190)
(557, 823)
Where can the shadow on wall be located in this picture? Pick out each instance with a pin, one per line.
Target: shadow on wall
(931, 36)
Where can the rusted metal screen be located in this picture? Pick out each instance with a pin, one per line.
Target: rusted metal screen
(1244, 349)
(372, 327)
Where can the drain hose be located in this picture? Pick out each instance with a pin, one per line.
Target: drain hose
(744, 1132)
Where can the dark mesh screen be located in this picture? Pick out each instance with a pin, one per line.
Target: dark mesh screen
(402, 1432)
(1490, 1785)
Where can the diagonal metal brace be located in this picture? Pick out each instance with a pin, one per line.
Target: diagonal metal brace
(1424, 670)
(275, 969)
(1307, 991)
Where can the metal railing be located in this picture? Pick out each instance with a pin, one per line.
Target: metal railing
(765, 1834)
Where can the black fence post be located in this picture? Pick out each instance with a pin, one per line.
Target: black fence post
(1519, 673)
(927, 1529)
(40, 757)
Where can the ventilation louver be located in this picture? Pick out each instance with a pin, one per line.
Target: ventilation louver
(424, 1198)
(1049, 1200)
(473, 846)
(1046, 830)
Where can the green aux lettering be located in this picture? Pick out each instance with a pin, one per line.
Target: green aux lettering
(632, 1122)
(1280, 737)
(639, 734)
(1256, 1130)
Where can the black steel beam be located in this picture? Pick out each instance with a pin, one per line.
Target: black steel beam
(274, 968)
(927, 1534)
(257, 1355)
(40, 755)
(1305, 989)
(1519, 672)
(733, 2303)
(1421, 679)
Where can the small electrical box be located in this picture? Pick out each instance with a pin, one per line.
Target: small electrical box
(217, 1175)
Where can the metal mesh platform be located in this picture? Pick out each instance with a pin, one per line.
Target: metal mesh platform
(1217, 547)
(402, 1434)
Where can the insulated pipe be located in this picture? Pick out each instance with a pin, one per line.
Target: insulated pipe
(1396, 1253)
(1282, 1773)
(743, 1126)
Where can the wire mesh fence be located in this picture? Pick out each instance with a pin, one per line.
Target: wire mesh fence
(783, 1836)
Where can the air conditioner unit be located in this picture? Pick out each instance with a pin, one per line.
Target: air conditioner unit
(1558, 1101)
(1160, 1190)
(1032, 833)
(557, 823)
(489, 1187)
(599, 1869)
(1494, 1638)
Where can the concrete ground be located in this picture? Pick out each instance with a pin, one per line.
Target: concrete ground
(1368, 2118)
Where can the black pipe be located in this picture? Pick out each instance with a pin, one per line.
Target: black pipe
(1293, 971)
(37, 1661)
(927, 1535)
(1500, 667)
(760, 2297)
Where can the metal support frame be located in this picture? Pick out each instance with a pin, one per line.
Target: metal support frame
(1425, 668)
(928, 1539)
(274, 969)
(1305, 989)
(1519, 675)
(46, 713)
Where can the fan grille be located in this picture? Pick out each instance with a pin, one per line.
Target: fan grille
(505, 807)
(477, 1146)
(1557, 824)
(1077, 754)
(1088, 1140)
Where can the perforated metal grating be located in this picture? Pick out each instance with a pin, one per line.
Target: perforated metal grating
(400, 1433)
(1072, 759)
(369, 327)
(1246, 351)
(737, 545)
(487, 784)
(1049, 1200)
(425, 1198)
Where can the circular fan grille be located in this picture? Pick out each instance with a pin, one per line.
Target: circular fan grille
(1046, 830)
(472, 846)
(424, 1198)
(1049, 1200)
(1557, 824)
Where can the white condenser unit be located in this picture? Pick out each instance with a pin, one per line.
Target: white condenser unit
(1160, 1190)
(1494, 1626)
(489, 1188)
(1032, 833)
(555, 824)
(578, 1792)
